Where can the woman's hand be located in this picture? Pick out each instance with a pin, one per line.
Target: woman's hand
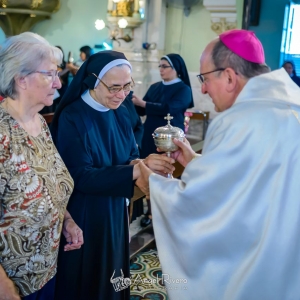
(143, 180)
(136, 170)
(73, 235)
(185, 153)
(8, 289)
(160, 163)
(138, 101)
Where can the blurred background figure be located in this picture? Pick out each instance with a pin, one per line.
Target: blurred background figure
(172, 95)
(64, 73)
(136, 122)
(289, 66)
(85, 53)
(138, 130)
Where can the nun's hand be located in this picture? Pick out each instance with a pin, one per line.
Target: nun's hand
(143, 181)
(138, 101)
(160, 163)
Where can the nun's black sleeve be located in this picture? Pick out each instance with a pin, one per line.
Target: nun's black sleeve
(75, 149)
(136, 122)
(173, 101)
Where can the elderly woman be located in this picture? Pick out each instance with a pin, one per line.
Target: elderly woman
(93, 134)
(35, 185)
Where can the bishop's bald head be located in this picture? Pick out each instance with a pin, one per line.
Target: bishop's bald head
(227, 63)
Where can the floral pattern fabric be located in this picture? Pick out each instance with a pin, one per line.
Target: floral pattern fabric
(35, 187)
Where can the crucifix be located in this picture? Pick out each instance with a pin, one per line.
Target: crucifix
(168, 118)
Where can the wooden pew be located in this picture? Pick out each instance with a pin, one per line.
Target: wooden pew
(48, 117)
(196, 115)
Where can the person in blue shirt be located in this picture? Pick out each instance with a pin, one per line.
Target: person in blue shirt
(289, 66)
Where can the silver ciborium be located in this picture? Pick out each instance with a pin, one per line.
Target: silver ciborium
(163, 137)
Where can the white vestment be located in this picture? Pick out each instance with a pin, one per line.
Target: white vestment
(230, 228)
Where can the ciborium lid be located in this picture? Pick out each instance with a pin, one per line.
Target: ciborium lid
(168, 131)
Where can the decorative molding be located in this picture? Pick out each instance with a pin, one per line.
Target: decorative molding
(222, 25)
(132, 21)
(17, 16)
(222, 13)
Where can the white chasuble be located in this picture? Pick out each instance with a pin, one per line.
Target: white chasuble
(230, 228)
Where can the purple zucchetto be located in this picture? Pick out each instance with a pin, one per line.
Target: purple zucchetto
(245, 44)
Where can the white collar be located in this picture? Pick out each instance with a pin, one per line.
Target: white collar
(172, 81)
(89, 100)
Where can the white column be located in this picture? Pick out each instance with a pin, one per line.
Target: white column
(110, 5)
(156, 23)
(136, 6)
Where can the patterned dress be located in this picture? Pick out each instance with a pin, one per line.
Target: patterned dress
(35, 187)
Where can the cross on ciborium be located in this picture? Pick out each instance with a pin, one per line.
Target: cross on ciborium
(163, 137)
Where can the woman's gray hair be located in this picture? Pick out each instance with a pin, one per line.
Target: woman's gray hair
(222, 57)
(21, 55)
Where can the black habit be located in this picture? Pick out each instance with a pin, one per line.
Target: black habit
(96, 148)
(160, 100)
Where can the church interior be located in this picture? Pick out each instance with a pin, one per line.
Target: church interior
(145, 30)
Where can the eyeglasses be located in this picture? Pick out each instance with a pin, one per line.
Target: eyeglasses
(201, 78)
(164, 66)
(116, 89)
(50, 74)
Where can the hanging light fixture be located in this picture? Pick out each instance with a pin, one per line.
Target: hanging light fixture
(122, 23)
(113, 33)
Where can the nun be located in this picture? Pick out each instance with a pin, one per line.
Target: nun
(93, 134)
(172, 95)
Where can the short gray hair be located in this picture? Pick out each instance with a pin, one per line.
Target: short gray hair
(21, 55)
(222, 57)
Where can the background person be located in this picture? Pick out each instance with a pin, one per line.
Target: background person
(136, 122)
(35, 185)
(138, 130)
(85, 53)
(94, 136)
(64, 72)
(289, 66)
(172, 95)
(230, 226)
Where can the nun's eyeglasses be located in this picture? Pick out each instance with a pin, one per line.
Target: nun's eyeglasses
(201, 78)
(164, 66)
(117, 88)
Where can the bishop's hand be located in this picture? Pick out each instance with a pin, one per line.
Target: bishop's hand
(185, 153)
